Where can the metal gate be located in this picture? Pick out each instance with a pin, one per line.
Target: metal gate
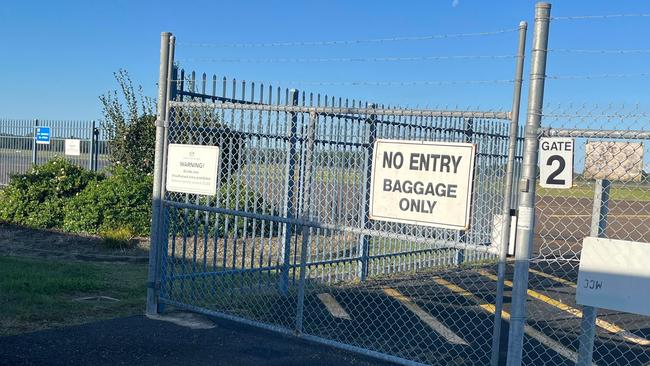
(287, 244)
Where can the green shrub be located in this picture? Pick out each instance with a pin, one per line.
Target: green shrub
(123, 200)
(129, 118)
(37, 198)
(118, 238)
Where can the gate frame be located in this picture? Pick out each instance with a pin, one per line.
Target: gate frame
(154, 305)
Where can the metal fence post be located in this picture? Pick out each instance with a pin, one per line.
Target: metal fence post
(526, 220)
(289, 188)
(96, 159)
(461, 235)
(304, 207)
(364, 240)
(153, 282)
(91, 147)
(589, 313)
(34, 144)
(507, 194)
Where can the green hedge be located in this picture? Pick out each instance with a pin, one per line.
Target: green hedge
(37, 199)
(64, 196)
(123, 200)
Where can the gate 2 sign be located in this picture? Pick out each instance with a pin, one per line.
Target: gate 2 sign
(192, 169)
(556, 162)
(422, 183)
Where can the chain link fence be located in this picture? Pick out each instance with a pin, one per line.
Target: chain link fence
(19, 151)
(610, 197)
(287, 242)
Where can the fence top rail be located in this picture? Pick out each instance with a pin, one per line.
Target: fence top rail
(345, 110)
(583, 132)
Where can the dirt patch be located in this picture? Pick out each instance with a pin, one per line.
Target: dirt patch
(52, 244)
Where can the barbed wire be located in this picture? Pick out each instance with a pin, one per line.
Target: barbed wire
(347, 42)
(346, 59)
(606, 16)
(619, 51)
(598, 76)
(365, 83)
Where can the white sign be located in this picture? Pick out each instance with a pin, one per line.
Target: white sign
(556, 162)
(72, 147)
(422, 183)
(614, 160)
(615, 275)
(497, 228)
(192, 169)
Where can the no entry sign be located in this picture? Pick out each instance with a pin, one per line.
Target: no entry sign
(422, 183)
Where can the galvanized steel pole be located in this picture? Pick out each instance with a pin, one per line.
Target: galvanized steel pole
(153, 283)
(526, 212)
(289, 188)
(34, 144)
(589, 313)
(507, 194)
(364, 240)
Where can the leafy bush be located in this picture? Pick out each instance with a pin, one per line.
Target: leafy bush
(129, 117)
(121, 201)
(37, 198)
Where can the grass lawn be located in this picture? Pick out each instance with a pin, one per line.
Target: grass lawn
(37, 294)
(617, 192)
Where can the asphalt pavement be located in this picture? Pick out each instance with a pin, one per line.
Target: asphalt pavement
(138, 340)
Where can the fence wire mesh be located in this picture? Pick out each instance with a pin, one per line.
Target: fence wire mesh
(19, 151)
(287, 242)
(611, 146)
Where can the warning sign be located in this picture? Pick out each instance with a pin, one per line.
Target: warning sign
(72, 147)
(422, 183)
(192, 169)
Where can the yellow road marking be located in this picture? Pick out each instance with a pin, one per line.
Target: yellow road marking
(612, 328)
(333, 306)
(554, 278)
(528, 330)
(432, 322)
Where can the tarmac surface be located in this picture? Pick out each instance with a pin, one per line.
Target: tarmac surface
(138, 340)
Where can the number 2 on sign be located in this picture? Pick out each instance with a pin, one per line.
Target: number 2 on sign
(552, 177)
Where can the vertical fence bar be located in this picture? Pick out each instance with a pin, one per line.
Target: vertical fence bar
(526, 221)
(34, 144)
(96, 150)
(164, 210)
(153, 283)
(468, 128)
(305, 215)
(507, 193)
(589, 313)
(289, 183)
(364, 240)
(91, 147)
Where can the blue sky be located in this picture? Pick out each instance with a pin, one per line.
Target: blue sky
(58, 57)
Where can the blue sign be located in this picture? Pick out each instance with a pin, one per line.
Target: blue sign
(43, 135)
